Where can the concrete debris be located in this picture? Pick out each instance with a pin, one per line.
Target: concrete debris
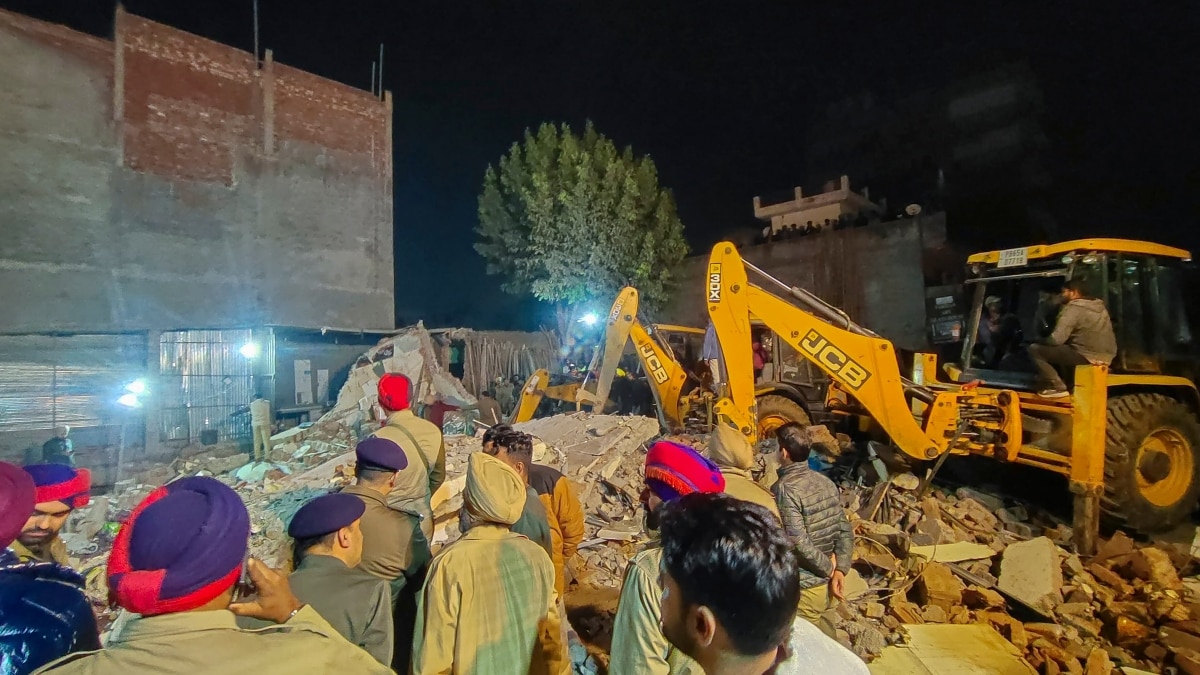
(1030, 572)
(1127, 609)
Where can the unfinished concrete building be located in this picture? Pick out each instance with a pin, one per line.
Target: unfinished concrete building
(165, 201)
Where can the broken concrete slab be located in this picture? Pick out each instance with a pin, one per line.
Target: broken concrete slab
(948, 649)
(956, 552)
(991, 502)
(1030, 571)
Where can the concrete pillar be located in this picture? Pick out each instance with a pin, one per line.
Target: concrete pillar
(118, 90)
(268, 97)
(152, 408)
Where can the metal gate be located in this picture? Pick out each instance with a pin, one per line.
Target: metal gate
(206, 380)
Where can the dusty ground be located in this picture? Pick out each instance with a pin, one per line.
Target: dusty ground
(591, 611)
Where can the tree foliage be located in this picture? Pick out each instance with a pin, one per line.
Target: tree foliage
(571, 220)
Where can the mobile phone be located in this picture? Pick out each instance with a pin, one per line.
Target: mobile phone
(245, 585)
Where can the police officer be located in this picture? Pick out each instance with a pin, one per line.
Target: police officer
(394, 548)
(329, 545)
(175, 564)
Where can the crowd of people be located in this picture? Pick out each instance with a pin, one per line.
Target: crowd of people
(735, 577)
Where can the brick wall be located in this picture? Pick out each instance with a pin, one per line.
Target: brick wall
(161, 180)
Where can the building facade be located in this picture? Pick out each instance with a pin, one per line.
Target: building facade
(811, 213)
(165, 200)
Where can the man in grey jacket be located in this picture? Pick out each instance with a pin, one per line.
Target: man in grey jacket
(1082, 335)
(811, 509)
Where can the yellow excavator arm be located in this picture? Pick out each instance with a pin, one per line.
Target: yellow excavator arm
(861, 365)
(666, 376)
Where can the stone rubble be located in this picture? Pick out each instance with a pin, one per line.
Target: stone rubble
(969, 557)
(939, 556)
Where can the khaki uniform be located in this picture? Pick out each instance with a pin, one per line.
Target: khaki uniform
(358, 605)
(193, 643)
(393, 546)
(740, 483)
(53, 550)
(638, 644)
(260, 425)
(489, 411)
(489, 606)
(426, 470)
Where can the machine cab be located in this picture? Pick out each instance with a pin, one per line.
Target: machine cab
(1015, 302)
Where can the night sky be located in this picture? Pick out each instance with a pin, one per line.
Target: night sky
(719, 94)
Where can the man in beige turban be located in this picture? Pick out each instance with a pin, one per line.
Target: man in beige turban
(489, 601)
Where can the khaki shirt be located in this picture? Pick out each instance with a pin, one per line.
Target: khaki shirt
(638, 644)
(54, 550)
(740, 484)
(426, 470)
(489, 606)
(393, 545)
(489, 411)
(356, 604)
(260, 412)
(193, 643)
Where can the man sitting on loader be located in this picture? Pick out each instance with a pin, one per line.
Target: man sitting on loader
(1082, 335)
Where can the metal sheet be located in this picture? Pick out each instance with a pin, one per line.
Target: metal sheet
(47, 380)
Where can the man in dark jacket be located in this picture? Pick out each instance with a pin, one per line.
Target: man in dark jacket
(1082, 335)
(811, 509)
(44, 614)
(59, 450)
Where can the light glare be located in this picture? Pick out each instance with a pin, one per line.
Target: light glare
(129, 401)
(250, 350)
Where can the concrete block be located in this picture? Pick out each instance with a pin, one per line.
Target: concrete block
(939, 586)
(1030, 572)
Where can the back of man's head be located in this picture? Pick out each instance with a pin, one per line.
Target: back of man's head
(1078, 287)
(495, 432)
(373, 476)
(730, 560)
(794, 441)
(517, 445)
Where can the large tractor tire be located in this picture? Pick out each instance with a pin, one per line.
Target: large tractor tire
(775, 411)
(1151, 466)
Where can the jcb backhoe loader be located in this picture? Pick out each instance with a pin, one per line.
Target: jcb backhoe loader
(1126, 441)
(680, 398)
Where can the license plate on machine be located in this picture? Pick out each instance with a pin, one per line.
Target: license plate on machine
(1013, 257)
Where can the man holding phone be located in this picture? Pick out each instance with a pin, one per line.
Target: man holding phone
(176, 563)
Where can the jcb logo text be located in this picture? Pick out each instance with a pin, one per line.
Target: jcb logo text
(714, 282)
(653, 363)
(836, 360)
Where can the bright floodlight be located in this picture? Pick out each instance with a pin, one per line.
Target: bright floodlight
(129, 401)
(136, 387)
(250, 350)
(589, 319)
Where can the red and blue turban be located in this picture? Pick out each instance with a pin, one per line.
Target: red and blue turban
(182, 547)
(61, 483)
(16, 502)
(674, 470)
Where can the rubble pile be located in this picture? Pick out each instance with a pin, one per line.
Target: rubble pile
(603, 455)
(971, 558)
